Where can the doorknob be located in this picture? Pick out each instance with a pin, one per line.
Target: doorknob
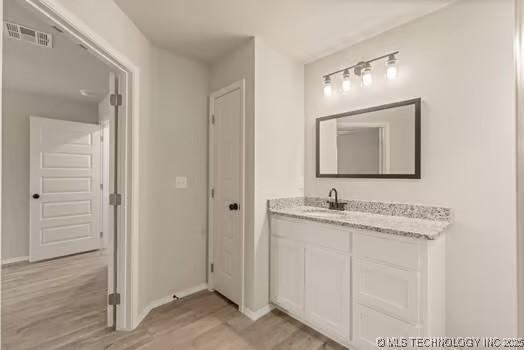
(36, 196)
(233, 206)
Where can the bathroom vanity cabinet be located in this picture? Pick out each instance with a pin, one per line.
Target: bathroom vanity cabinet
(357, 285)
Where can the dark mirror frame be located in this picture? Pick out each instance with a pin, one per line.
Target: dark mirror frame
(416, 102)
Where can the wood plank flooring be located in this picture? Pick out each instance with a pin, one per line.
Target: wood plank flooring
(61, 304)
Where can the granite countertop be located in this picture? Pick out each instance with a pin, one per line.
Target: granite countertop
(415, 221)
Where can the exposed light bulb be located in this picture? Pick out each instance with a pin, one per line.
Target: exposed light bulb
(367, 77)
(392, 72)
(328, 89)
(392, 68)
(346, 82)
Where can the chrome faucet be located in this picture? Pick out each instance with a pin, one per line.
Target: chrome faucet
(335, 205)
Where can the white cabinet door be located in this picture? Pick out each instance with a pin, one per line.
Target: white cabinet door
(287, 274)
(327, 291)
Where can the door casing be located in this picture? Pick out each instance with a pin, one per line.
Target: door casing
(240, 84)
(128, 140)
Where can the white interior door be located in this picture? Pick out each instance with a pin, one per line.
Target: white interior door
(227, 145)
(65, 188)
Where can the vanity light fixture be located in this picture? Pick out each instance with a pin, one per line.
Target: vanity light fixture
(364, 71)
(346, 82)
(328, 89)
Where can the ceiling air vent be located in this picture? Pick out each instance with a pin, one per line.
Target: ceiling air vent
(32, 36)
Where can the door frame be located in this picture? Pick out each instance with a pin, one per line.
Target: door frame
(128, 141)
(240, 84)
(104, 206)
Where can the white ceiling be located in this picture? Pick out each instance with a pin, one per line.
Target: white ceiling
(59, 71)
(305, 29)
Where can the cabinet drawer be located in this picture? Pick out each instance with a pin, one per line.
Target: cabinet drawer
(388, 289)
(368, 325)
(392, 251)
(328, 236)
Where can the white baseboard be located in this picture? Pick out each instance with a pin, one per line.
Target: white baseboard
(167, 299)
(192, 290)
(14, 260)
(255, 315)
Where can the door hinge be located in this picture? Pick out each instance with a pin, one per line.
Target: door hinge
(101, 187)
(113, 299)
(101, 139)
(101, 234)
(115, 199)
(212, 267)
(212, 119)
(212, 193)
(115, 99)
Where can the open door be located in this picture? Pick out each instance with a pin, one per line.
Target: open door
(112, 106)
(64, 185)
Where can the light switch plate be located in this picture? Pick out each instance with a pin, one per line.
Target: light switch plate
(181, 182)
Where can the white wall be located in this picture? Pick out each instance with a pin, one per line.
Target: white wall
(279, 147)
(520, 163)
(468, 147)
(16, 110)
(174, 242)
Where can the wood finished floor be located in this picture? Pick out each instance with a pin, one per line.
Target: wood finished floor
(60, 304)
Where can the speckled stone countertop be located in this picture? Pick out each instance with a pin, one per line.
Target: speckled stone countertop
(409, 220)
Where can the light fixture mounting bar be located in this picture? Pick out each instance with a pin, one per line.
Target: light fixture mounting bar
(359, 64)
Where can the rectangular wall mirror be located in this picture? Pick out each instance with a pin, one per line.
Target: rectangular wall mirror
(376, 142)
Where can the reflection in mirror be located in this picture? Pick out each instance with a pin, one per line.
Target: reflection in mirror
(375, 142)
